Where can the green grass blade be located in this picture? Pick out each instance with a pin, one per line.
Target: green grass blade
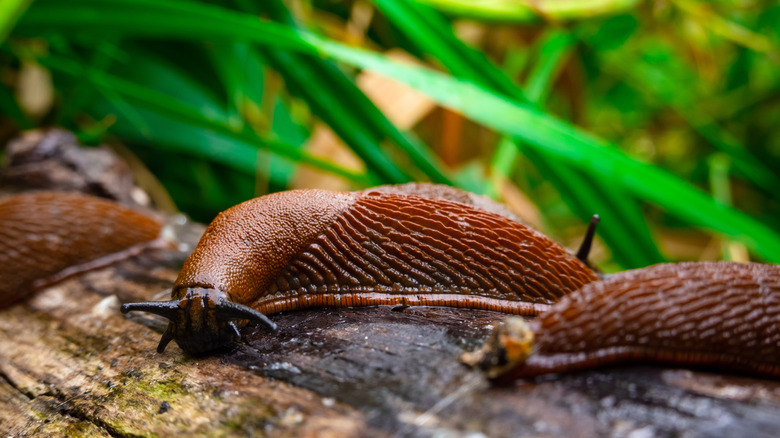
(77, 96)
(176, 19)
(433, 35)
(346, 123)
(226, 62)
(555, 45)
(170, 19)
(531, 12)
(652, 81)
(622, 226)
(10, 11)
(162, 104)
(342, 92)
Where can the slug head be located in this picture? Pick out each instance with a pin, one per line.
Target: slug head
(510, 344)
(201, 321)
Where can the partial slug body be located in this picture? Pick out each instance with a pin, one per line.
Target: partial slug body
(46, 237)
(719, 314)
(315, 248)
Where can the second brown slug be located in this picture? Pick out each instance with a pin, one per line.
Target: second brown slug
(46, 237)
(719, 314)
(307, 248)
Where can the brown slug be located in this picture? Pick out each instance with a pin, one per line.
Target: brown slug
(718, 314)
(306, 248)
(46, 237)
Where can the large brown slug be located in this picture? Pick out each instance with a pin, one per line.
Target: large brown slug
(46, 237)
(719, 314)
(307, 248)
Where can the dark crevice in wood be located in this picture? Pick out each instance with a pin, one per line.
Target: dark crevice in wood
(16, 388)
(80, 416)
(64, 407)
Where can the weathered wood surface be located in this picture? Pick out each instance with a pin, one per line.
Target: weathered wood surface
(72, 365)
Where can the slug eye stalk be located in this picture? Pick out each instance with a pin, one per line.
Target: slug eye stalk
(584, 250)
(167, 309)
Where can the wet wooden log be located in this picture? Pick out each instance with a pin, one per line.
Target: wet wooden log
(71, 364)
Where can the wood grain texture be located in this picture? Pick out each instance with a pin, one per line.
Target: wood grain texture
(48, 236)
(710, 313)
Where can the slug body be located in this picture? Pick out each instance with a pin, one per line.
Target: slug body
(46, 237)
(719, 314)
(315, 248)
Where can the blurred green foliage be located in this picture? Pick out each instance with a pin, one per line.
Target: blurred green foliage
(633, 110)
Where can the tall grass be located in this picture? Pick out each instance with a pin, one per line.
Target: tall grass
(637, 112)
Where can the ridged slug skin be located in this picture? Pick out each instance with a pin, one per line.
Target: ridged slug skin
(48, 236)
(720, 314)
(448, 193)
(308, 248)
(315, 248)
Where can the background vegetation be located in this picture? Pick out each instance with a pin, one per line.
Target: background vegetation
(659, 116)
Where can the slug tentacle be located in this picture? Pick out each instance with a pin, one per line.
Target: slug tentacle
(203, 320)
(166, 338)
(314, 248)
(167, 309)
(587, 242)
(232, 311)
